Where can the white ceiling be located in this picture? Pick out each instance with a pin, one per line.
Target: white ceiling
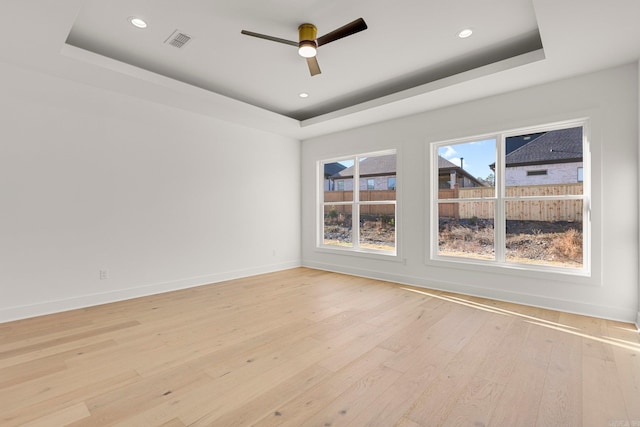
(408, 60)
(401, 44)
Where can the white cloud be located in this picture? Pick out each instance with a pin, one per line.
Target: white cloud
(448, 152)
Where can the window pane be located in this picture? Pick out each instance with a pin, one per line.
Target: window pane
(544, 163)
(378, 227)
(545, 232)
(465, 229)
(377, 222)
(467, 168)
(338, 181)
(337, 225)
(376, 172)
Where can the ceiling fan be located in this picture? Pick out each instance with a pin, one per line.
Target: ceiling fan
(308, 43)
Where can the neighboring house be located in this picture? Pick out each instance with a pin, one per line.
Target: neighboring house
(450, 174)
(376, 173)
(550, 158)
(331, 169)
(515, 142)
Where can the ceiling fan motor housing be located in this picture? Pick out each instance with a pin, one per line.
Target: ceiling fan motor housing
(307, 32)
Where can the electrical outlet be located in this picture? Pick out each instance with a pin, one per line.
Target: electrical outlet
(104, 274)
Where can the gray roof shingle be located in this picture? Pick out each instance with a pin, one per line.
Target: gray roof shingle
(376, 165)
(445, 164)
(558, 146)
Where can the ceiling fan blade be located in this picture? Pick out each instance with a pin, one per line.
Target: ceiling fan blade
(344, 31)
(314, 67)
(273, 39)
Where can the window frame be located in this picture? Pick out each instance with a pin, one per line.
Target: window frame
(500, 199)
(356, 250)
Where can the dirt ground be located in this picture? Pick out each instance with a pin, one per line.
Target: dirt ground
(540, 242)
(373, 234)
(530, 242)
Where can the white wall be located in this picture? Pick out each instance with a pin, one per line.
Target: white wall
(159, 198)
(609, 98)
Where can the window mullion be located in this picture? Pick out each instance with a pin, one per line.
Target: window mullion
(499, 221)
(355, 222)
(378, 202)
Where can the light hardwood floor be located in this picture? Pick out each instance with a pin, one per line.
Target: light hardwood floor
(310, 348)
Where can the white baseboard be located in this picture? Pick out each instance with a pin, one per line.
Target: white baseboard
(83, 301)
(604, 312)
(39, 309)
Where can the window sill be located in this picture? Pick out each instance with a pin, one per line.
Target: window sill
(377, 255)
(580, 276)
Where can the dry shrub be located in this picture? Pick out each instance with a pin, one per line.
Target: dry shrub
(568, 245)
(524, 244)
(458, 238)
(468, 234)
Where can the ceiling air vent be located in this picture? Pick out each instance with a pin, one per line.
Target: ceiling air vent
(178, 39)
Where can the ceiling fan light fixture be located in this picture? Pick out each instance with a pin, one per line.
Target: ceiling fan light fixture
(307, 49)
(307, 34)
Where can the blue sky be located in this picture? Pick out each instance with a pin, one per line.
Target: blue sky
(478, 155)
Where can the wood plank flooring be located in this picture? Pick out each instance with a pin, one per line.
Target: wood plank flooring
(310, 348)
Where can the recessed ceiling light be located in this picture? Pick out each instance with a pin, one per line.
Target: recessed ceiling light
(137, 22)
(303, 95)
(465, 33)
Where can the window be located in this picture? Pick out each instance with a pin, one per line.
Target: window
(340, 186)
(391, 183)
(361, 219)
(514, 200)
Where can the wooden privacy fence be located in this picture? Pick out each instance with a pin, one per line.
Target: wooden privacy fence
(448, 210)
(365, 196)
(523, 210)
